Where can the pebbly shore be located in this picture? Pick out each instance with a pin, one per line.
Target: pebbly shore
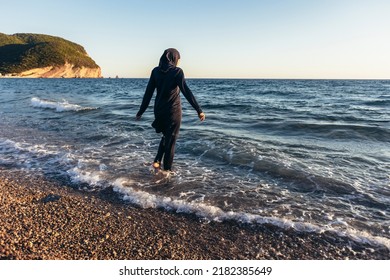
(50, 220)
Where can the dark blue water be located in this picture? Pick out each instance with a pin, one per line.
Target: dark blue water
(313, 155)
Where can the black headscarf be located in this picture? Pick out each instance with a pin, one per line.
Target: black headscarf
(169, 59)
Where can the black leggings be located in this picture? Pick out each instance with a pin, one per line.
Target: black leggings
(166, 148)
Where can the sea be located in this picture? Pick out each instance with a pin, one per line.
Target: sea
(304, 155)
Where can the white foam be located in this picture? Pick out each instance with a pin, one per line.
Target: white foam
(7, 145)
(79, 176)
(17, 149)
(213, 213)
(58, 106)
(29, 156)
(201, 209)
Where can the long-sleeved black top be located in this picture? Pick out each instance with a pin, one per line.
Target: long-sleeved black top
(167, 105)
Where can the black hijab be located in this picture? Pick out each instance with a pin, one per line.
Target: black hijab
(169, 59)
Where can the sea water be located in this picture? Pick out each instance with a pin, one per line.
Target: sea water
(309, 155)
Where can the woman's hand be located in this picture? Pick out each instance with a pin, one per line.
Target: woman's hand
(138, 117)
(202, 117)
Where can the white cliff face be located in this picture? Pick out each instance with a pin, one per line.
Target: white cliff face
(64, 71)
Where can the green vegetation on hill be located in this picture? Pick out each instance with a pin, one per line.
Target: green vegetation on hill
(23, 51)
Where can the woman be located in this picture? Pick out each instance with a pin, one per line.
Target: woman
(169, 80)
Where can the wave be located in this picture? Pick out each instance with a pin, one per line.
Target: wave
(212, 213)
(327, 130)
(231, 107)
(57, 105)
(278, 92)
(379, 103)
(30, 156)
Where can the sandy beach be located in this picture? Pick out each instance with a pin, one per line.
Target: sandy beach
(42, 219)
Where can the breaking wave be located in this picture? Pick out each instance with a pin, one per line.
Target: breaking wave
(58, 106)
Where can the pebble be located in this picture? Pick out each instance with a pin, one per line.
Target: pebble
(75, 226)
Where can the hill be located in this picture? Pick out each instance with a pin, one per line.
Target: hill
(38, 55)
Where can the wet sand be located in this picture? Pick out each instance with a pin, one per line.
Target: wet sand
(46, 219)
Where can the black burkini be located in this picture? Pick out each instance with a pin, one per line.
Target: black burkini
(169, 81)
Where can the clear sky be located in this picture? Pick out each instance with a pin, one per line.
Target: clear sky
(219, 38)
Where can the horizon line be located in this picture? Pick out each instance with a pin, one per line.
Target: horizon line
(211, 78)
(244, 78)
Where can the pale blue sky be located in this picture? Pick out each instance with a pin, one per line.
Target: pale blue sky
(220, 38)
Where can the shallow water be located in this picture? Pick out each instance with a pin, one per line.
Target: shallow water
(309, 154)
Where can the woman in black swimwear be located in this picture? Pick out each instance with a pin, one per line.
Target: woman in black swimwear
(169, 80)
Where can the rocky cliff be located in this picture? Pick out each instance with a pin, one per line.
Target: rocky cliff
(62, 71)
(44, 56)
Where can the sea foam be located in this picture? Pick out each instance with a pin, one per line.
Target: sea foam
(213, 213)
(57, 105)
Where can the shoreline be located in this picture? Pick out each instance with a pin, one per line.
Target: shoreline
(49, 220)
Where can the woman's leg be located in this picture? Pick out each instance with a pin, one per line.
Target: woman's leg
(161, 150)
(170, 143)
(169, 151)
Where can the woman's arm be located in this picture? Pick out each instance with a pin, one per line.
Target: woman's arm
(181, 82)
(147, 96)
